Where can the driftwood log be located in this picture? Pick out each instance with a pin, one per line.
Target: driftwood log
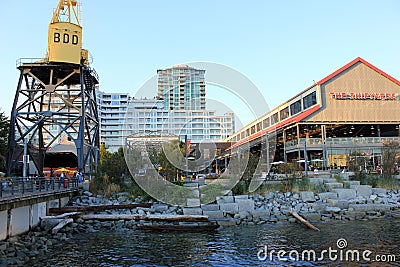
(61, 225)
(178, 227)
(303, 221)
(57, 222)
(98, 208)
(168, 218)
(62, 216)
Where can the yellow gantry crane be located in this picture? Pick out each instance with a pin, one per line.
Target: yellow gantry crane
(56, 98)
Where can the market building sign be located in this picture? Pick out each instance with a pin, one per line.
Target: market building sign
(364, 96)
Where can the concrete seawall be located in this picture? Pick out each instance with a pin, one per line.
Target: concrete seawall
(19, 214)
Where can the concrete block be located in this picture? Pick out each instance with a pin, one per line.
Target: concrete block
(333, 209)
(319, 206)
(307, 196)
(245, 205)
(214, 214)
(192, 211)
(193, 202)
(329, 180)
(350, 183)
(240, 197)
(382, 207)
(361, 207)
(327, 195)
(262, 215)
(378, 190)
(362, 190)
(210, 207)
(226, 222)
(346, 175)
(332, 186)
(316, 180)
(225, 199)
(158, 207)
(229, 207)
(338, 202)
(345, 193)
(191, 184)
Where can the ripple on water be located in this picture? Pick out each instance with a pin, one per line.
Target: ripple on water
(224, 247)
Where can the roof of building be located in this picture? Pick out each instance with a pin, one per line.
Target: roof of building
(353, 62)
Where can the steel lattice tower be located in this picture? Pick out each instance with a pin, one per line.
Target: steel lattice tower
(56, 96)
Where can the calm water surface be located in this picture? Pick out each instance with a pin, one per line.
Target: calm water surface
(236, 246)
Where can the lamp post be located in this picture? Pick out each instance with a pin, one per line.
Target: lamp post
(186, 159)
(267, 150)
(305, 157)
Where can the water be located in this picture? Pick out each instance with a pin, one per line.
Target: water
(237, 246)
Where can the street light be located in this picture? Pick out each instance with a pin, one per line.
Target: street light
(305, 157)
(186, 158)
(267, 150)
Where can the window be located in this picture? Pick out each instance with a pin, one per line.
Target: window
(310, 100)
(266, 123)
(284, 113)
(274, 118)
(295, 107)
(258, 127)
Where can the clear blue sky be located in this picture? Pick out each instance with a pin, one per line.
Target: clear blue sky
(282, 46)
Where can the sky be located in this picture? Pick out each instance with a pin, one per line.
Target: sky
(281, 46)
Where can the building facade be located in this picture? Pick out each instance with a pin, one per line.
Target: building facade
(353, 111)
(149, 115)
(182, 87)
(112, 108)
(122, 116)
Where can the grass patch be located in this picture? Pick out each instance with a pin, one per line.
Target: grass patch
(389, 183)
(265, 188)
(377, 180)
(209, 193)
(292, 185)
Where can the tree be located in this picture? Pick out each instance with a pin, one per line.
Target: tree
(357, 163)
(104, 153)
(175, 151)
(390, 150)
(4, 132)
(114, 165)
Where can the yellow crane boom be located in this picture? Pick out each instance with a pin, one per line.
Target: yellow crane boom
(65, 34)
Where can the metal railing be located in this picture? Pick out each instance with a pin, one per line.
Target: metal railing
(342, 141)
(19, 185)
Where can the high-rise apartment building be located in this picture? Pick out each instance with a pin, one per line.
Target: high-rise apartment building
(179, 109)
(112, 108)
(147, 116)
(182, 87)
(122, 116)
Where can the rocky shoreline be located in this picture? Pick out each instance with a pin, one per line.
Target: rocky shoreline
(364, 204)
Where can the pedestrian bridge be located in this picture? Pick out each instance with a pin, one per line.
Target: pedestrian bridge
(24, 200)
